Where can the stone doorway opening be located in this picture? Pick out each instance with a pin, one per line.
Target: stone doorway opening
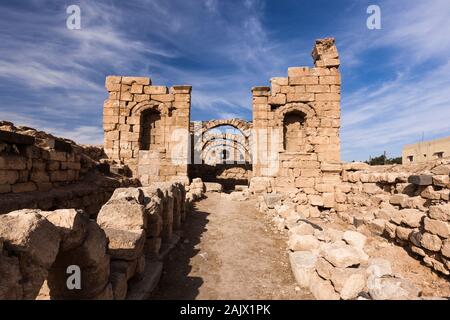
(221, 152)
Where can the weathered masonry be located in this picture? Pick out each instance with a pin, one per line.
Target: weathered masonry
(292, 144)
(296, 125)
(147, 128)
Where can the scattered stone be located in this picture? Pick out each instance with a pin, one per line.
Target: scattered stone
(213, 187)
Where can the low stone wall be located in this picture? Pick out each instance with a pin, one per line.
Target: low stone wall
(405, 204)
(88, 195)
(32, 160)
(40, 249)
(408, 204)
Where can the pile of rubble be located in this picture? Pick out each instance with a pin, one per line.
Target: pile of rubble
(333, 265)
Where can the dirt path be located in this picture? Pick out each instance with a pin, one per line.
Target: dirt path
(228, 251)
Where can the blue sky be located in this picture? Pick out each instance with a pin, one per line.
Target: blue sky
(396, 81)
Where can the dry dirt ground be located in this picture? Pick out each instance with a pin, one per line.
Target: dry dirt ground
(228, 251)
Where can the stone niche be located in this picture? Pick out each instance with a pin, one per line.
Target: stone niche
(296, 121)
(146, 128)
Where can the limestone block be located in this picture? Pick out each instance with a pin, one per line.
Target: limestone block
(303, 266)
(341, 255)
(122, 214)
(300, 97)
(138, 80)
(72, 225)
(303, 242)
(278, 99)
(441, 180)
(27, 233)
(330, 80)
(169, 97)
(440, 212)
(349, 282)
(124, 244)
(304, 80)
(445, 250)
(316, 200)
(430, 193)
(112, 83)
(332, 96)
(391, 289)
(403, 233)
(182, 89)
(354, 239)
(318, 88)
(140, 98)
(12, 162)
(431, 242)
(437, 227)
(421, 180)
(322, 289)
(443, 169)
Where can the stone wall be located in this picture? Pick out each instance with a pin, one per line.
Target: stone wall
(147, 128)
(32, 160)
(408, 204)
(119, 254)
(40, 171)
(296, 125)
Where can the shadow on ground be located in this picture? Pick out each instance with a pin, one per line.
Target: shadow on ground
(175, 283)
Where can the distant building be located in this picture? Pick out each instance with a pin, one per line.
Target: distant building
(426, 151)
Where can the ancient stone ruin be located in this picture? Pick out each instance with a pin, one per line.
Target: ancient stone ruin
(115, 212)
